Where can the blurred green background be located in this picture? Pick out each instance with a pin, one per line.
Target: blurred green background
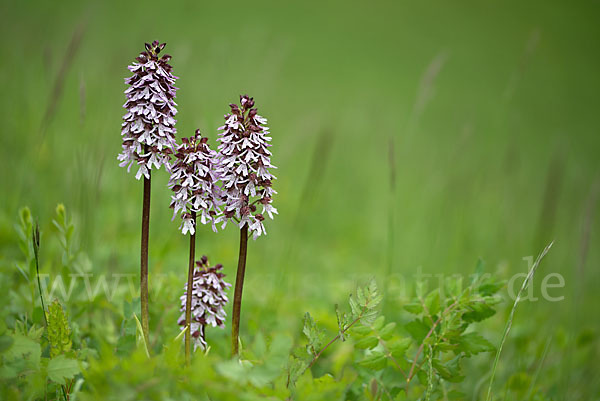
(408, 135)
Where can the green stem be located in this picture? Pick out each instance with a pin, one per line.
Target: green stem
(312, 362)
(35, 237)
(511, 316)
(144, 257)
(188, 299)
(239, 285)
(412, 371)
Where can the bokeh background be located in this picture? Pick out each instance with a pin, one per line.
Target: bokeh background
(409, 136)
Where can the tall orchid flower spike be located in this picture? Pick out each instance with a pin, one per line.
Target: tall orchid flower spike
(245, 163)
(148, 132)
(148, 128)
(195, 192)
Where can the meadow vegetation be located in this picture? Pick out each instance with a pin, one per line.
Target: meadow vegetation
(427, 154)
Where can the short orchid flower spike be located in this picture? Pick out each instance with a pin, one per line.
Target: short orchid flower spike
(194, 176)
(245, 163)
(209, 298)
(148, 128)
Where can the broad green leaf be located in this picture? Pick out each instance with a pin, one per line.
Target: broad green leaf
(361, 330)
(366, 343)
(375, 361)
(378, 323)
(399, 347)
(417, 329)
(25, 348)
(478, 312)
(415, 308)
(450, 370)
(61, 368)
(473, 343)
(490, 287)
(296, 368)
(453, 286)
(432, 302)
(387, 331)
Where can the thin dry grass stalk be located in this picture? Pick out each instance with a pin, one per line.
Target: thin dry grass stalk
(59, 81)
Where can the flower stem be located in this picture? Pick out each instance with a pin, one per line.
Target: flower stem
(239, 284)
(144, 257)
(188, 299)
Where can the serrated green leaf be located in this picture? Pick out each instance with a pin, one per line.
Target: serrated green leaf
(387, 331)
(478, 312)
(361, 330)
(490, 287)
(369, 317)
(25, 348)
(473, 343)
(312, 333)
(360, 296)
(453, 286)
(417, 329)
(432, 302)
(366, 343)
(378, 323)
(399, 347)
(61, 368)
(450, 370)
(296, 368)
(354, 306)
(415, 308)
(375, 361)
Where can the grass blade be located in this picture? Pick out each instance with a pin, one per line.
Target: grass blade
(524, 286)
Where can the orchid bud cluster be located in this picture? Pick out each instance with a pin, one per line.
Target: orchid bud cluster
(245, 161)
(194, 183)
(208, 301)
(148, 128)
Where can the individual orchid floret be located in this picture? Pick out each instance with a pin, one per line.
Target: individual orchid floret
(148, 128)
(245, 162)
(193, 181)
(208, 301)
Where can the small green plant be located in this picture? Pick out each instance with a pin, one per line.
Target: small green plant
(428, 349)
(59, 332)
